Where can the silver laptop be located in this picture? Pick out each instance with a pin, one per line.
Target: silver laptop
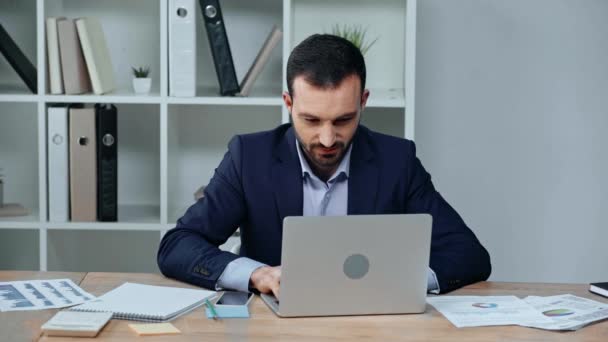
(353, 265)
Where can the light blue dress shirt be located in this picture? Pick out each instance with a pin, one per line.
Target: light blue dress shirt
(320, 199)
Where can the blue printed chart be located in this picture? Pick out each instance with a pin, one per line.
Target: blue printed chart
(41, 294)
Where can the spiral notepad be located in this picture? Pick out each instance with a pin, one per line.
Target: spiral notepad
(138, 302)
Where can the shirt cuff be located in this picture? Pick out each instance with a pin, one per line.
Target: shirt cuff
(236, 275)
(432, 282)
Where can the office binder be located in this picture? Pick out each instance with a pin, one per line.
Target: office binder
(17, 59)
(83, 165)
(182, 48)
(52, 56)
(220, 47)
(74, 71)
(96, 55)
(107, 163)
(59, 199)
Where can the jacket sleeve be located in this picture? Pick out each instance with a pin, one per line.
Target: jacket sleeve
(457, 256)
(189, 252)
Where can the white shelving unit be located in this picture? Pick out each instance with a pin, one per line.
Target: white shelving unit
(168, 147)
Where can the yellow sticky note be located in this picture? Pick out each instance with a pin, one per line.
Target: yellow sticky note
(154, 329)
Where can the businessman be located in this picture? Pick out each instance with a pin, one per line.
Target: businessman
(323, 163)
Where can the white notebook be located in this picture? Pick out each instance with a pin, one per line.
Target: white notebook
(148, 303)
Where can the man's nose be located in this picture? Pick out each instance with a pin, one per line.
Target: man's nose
(328, 136)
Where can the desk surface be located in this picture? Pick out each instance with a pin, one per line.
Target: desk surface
(264, 325)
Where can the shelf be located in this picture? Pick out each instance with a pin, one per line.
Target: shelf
(30, 221)
(132, 33)
(130, 217)
(208, 95)
(21, 222)
(386, 98)
(16, 93)
(170, 146)
(123, 95)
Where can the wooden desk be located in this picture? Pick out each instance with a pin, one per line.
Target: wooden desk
(264, 325)
(25, 325)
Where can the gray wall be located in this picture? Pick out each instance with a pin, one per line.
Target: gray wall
(511, 121)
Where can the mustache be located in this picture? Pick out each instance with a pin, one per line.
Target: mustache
(339, 144)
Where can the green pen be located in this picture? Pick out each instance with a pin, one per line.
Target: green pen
(212, 309)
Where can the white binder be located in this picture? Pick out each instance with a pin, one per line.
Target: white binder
(59, 200)
(182, 48)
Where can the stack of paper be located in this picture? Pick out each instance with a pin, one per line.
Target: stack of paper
(563, 312)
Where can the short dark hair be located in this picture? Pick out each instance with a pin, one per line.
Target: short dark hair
(325, 60)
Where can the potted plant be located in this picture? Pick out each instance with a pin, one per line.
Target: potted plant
(355, 34)
(141, 81)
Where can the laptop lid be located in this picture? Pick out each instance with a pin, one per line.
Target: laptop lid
(354, 265)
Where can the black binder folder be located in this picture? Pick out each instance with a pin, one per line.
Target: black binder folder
(18, 60)
(107, 163)
(220, 48)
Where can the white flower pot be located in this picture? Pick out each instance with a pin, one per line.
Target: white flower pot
(142, 85)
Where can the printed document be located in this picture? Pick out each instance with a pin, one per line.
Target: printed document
(41, 294)
(476, 311)
(566, 312)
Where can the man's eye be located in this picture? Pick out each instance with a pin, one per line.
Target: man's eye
(342, 121)
(312, 120)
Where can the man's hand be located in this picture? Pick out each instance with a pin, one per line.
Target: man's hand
(267, 279)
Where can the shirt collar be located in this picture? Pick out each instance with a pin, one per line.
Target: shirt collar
(343, 168)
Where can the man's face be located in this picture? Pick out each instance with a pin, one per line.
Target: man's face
(325, 120)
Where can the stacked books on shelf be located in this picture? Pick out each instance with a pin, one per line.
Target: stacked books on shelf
(82, 163)
(17, 59)
(182, 50)
(78, 58)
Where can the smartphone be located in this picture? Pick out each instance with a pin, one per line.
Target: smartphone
(234, 298)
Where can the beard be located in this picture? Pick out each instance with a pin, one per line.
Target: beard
(321, 157)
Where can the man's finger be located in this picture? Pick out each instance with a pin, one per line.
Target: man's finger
(275, 290)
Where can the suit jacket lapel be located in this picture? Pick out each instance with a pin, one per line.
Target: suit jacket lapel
(287, 177)
(363, 176)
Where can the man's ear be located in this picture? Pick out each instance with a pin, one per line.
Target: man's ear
(364, 98)
(288, 101)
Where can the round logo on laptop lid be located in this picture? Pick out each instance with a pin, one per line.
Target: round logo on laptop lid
(356, 266)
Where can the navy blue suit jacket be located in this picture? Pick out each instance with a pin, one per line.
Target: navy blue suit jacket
(259, 182)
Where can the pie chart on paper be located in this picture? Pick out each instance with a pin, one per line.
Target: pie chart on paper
(558, 312)
(485, 305)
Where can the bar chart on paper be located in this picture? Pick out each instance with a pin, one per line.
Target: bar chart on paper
(41, 294)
